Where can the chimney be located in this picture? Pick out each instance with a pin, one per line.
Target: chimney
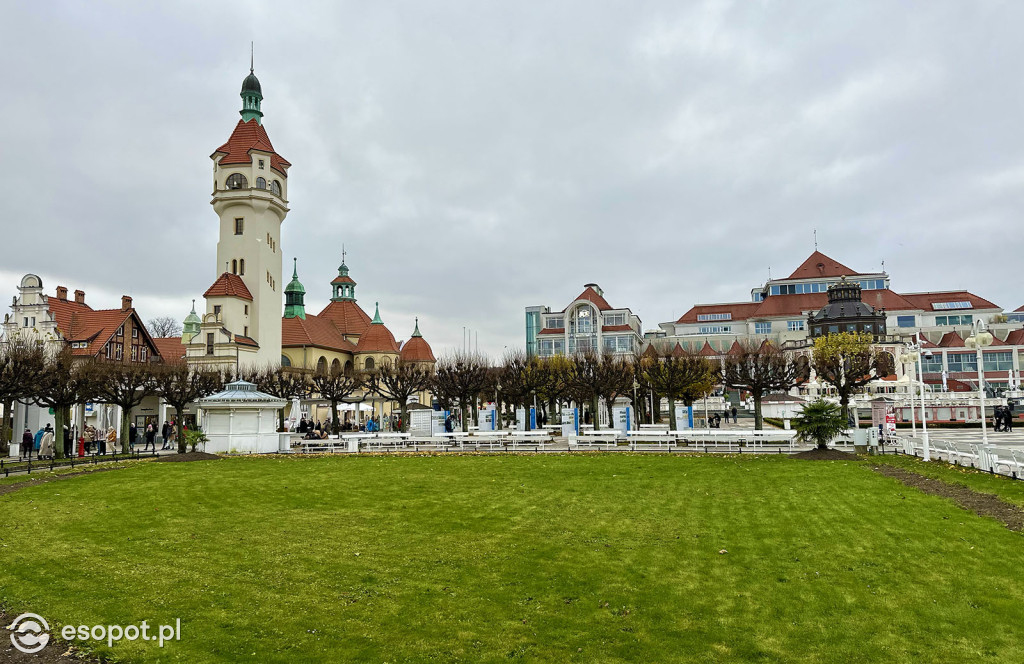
(62, 293)
(126, 303)
(80, 296)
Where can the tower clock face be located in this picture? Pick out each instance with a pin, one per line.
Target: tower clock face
(584, 313)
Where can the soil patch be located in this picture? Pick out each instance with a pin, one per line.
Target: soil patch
(826, 455)
(54, 652)
(11, 488)
(982, 504)
(189, 456)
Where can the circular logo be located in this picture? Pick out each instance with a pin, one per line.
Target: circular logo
(29, 633)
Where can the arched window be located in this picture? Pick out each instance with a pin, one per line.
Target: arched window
(275, 188)
(321, 365)
(335, 367)
(234, 266)
(348, 368)
(285, 362)
(368, 365)
(237, 181)
(241, 267)
(261, 183)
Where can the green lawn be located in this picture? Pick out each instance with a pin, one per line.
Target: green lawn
(596, 558)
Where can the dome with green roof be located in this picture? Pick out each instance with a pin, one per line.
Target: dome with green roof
(295, 295)
(190, 327)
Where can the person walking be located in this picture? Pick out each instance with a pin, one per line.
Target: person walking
(46, 444)
(172, 433)
(734, 412)
(37, 440)
(150, 438)
(133, 435)
(110, 441)
(1007, 420)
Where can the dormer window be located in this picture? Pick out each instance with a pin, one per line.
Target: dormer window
(261, 168)
(236, 181)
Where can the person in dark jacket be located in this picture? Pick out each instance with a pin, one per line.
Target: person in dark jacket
(150, 438)
(734, 414)
(1007, 420)
(27, 441)
(133, 434)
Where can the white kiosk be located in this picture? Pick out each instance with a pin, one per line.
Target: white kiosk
(241, 420)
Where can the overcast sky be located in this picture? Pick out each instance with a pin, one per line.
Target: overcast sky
(479, 157)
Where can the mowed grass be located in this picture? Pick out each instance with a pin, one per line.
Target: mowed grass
(586, 558)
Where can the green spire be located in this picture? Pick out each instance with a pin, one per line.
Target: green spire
(376, 315)
(252, 95)
(344, 286)
(416, 332)
(191, 325)
(295, 295)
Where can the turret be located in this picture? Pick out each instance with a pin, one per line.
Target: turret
(295, 295)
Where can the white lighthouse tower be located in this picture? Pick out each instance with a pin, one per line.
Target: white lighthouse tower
(242, 323)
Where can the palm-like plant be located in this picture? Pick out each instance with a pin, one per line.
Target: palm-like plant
(820, 422)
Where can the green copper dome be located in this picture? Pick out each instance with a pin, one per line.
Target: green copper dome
(252, 95)
(295, 295)
(252, 84)
(190, 328)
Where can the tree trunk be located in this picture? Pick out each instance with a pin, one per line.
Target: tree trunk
(844, 404)
(656, 407)
(758, 420)
(6, 429)
(124, 428)
(463, 406)
(180, 426)
(280, 420)
(403, 412)
(595, 414)
(335, 426)
(611, 416)
(58, 433)
(672, 414)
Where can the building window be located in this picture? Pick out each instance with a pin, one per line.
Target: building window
(615, 319)
(965, 319)
(261, 183)
(135, 353)
(715, 329)
(906, 321)
(962, 362)
(245, 331)
(135, 333)
(239, 226)
(236, 181)
(241, 266)
(246, 309)
(275, 188)
(216, 310)
(285, 361)
(932, 364)
(721, 316)
(555, 323)
(546, 347)
(261, 167)
(1001, 361)
(234, 266)
(762, 328)
(209, 343)
(368, 365)
(144, 354)
(952, 305)
(26, 322)
(795, 325)
(118, 351)
(120, 331)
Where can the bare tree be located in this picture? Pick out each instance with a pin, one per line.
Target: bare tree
(847, 361)
(683, 376)
(522, 378)
(21, 365)
(615, 378)
(762, 369)
(458, 378)
(180, 385)
(164, 326)
(281, 382)
(399, 380)
(335, 386)
(63, 382)
(125, 385)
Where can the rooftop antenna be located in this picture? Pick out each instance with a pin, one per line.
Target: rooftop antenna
(769, 273)
(815, 239)
(883, 266)
(342, 253)
(252, 51)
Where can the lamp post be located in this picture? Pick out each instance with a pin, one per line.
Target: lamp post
(909, 356)
(980, 338)
(914, 355)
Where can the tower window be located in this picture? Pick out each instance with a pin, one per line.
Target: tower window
(236, 181)
(234, 266)
(216, 310)
(247, 310)
(241, 267)
(209, 343)
(264, 182)
(261, 183)
(245, 331)
(239, 226)
(275, 188)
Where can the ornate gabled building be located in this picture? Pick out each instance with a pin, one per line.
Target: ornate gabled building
(587, 324)
(845, 312)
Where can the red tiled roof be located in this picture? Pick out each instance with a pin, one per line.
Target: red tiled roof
(792, 305)
(616, 328)
(591, 295)
(951, 340)
(1019, 309)
(678, 350)
(739, 311)
(736, 349)
(708, 351)
(552, 330)
(377, 339)
(313, 331)
(229, 285)
(171, 349)
(80, 322)
(246, 341)
(347, 316)
(926, 300)
(417, 349)
(1015, 338)
(344, 280)
(819, 265)
(251, 136)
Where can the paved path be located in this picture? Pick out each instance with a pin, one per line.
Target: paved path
(1000, 438)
